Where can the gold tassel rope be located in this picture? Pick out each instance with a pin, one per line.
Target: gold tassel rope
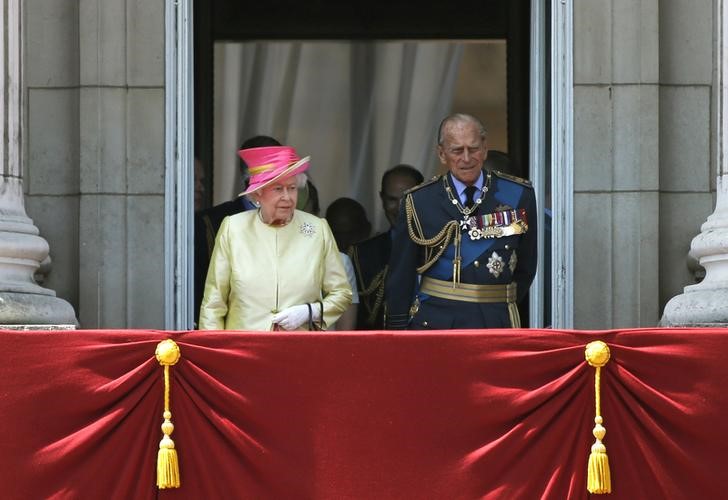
(599, 479)
(167, 354)
(434, 247)
(456, 261)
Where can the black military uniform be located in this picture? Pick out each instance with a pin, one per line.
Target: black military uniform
(474, 264)
(371, 264)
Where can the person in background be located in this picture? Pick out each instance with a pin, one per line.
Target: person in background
(208, 221)
(308, 199)
(199, 185)
(371, 256)
(349, 223)
(274, 268)
(498, 160)
(464, 246)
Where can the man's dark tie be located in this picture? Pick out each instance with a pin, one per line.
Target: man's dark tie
(469, 193)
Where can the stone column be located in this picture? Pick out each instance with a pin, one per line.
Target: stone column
(706, 303)
(616, 166)
(22, 301)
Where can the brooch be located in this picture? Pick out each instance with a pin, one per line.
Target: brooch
(307, 229)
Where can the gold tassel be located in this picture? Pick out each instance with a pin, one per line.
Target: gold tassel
(599, 478)
(167, 354)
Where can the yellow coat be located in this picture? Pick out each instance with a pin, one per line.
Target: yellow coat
(256, 270)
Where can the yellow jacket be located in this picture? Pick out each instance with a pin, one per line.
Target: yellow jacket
(257, 270)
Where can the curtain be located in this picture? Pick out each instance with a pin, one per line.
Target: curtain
(357, 108)
(363, 415)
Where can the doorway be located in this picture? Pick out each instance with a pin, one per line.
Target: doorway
(483, 29)
(492, 23)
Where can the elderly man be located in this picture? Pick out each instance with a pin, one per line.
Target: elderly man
(464, 247)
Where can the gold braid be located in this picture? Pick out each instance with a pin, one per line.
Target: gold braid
(435, 246)
(376, 285)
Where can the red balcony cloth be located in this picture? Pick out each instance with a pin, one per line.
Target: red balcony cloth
(497, 414)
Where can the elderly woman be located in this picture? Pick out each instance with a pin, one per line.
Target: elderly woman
(274, 268)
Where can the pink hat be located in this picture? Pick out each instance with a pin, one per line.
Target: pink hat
(270, 163)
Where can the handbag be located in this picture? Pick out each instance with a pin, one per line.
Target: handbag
(312, 325)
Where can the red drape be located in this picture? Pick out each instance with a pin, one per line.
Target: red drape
(491, 414)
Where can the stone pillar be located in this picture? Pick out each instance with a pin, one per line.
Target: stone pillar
(616, 164)
(706, 303)
(22, 301)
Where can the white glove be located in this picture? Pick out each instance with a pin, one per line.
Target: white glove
(293, 317)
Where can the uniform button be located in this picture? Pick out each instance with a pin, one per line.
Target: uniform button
(424, 323)
(476, 263)
(508, 247)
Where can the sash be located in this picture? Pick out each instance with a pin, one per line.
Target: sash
(507, 193)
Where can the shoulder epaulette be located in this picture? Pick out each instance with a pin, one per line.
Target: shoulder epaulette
(513, 178)
(423, 184)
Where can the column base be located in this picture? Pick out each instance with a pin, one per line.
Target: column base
(697, 308)
(33, 309)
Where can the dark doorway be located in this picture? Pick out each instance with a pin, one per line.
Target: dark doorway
(507, 20)
(227, 20)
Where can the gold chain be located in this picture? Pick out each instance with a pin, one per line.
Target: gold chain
(456, 200)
